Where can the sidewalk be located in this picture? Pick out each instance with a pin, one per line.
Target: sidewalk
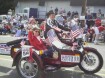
(7, 38)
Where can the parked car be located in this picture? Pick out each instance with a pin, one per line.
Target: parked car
(1, 17)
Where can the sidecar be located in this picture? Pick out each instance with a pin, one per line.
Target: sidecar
(15, 46)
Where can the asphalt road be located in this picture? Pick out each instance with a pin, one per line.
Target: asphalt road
(7, 71)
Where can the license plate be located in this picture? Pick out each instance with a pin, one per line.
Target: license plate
(25, 51)
(70, 58)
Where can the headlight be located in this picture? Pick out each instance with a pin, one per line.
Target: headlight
(16, 49)
(41, 52)
(85, 43)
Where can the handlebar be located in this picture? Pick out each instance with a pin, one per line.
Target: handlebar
(79, 41)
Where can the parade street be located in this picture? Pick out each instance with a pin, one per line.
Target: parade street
(46, 38)
(7, 71)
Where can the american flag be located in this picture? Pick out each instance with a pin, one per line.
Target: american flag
(76, 33)
(22, 42)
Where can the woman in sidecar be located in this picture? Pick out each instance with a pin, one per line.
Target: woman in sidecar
(39, 44)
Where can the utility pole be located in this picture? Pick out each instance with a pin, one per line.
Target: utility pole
(83, 12)
(84, 4)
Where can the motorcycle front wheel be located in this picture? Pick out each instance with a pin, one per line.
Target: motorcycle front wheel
(92, 62)
(28, 69)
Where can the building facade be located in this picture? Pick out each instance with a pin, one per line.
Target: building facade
(44, 6)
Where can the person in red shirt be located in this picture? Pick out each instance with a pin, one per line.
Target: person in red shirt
(36, 41)
(98, 22)
(101, 28)
(91, 35)
(42, 26)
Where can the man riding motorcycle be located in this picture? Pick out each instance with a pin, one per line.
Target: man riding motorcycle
(51, 23)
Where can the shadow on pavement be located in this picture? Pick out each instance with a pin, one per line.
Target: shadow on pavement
(4, 69)
(56, 74)
(69, 74)
(12, 74)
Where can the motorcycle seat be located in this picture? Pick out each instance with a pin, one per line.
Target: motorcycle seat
(67, 41)
(61, 46)
(62, 50)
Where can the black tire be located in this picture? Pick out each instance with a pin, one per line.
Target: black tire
(98, 67)
(18, 70)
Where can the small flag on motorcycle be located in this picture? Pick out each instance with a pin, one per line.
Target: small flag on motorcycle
(22, 42)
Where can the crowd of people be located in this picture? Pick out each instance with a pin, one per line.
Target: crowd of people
(20, 25)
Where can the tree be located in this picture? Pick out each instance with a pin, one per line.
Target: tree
(6, 5)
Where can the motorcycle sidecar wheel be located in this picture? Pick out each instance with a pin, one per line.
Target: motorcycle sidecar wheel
(29, 70)
(95, 63)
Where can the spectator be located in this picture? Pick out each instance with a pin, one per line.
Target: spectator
(98, 22)
(18, 33)
(56, 11)
(101, 28)
(103, 22)
(32, 20)
(69, 14)
(4, 21)
(90, 35)
(1, 29)
(59, 18)
(96, 30)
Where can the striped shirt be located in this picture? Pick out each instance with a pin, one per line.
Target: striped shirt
(53, 39)
(52, 36)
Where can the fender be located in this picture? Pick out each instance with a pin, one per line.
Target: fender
(15, 58)
(39, 59)
(33, 55)
(89, 48)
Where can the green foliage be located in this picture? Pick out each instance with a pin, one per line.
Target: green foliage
(5, 5)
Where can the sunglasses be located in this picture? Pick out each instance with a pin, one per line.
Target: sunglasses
(37, 31)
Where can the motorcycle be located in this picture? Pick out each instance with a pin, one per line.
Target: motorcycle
(29, 63)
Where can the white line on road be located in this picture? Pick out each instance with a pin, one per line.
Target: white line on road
(10, 71)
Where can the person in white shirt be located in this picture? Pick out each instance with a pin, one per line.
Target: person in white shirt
(96, 30)
(59, 18)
